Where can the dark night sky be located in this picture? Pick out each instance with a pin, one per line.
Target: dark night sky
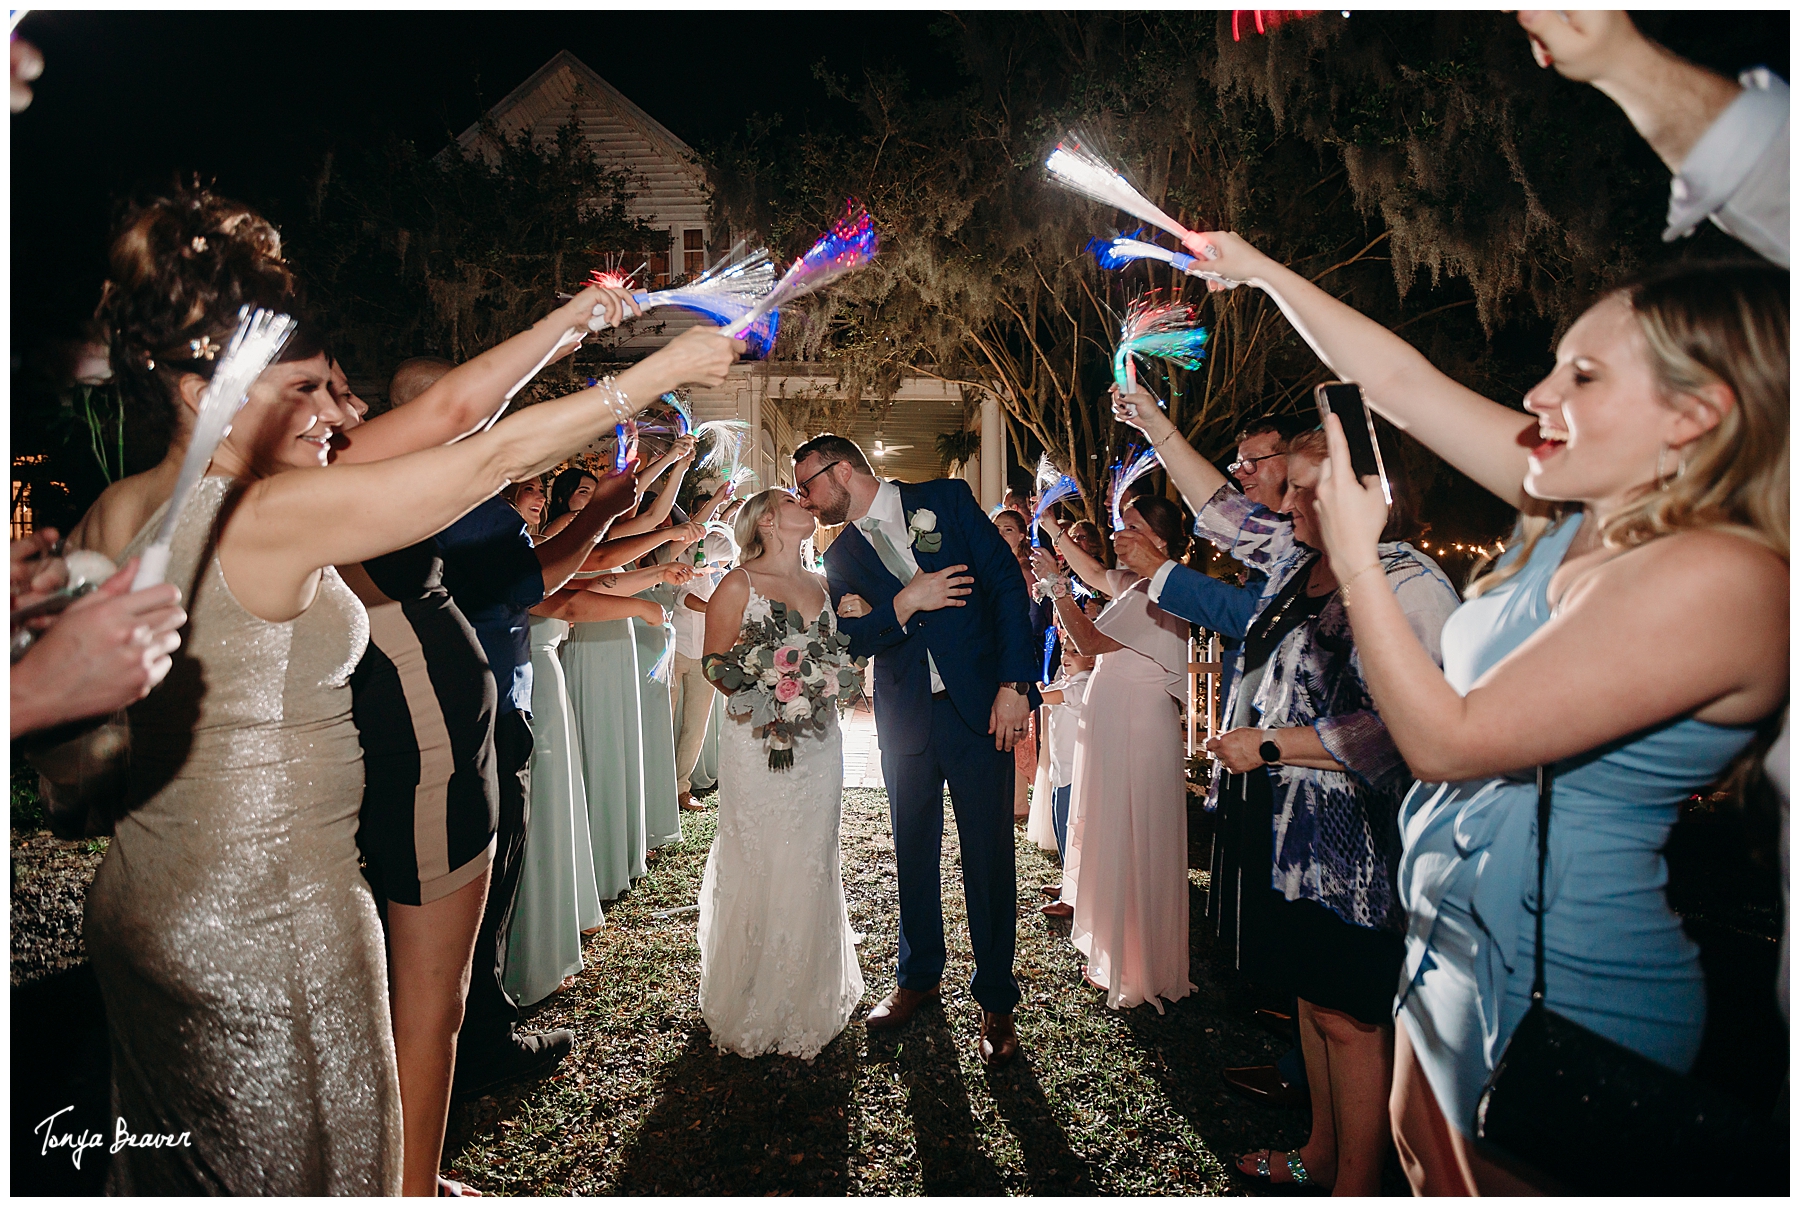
(254, 100)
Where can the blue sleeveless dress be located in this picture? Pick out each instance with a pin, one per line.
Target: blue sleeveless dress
(1617, 960)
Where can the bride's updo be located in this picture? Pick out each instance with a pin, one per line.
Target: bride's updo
(746, 528)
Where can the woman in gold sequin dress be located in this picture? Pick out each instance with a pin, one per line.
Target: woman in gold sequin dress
(234, 938)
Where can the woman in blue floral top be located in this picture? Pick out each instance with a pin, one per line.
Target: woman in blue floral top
(1313, 786)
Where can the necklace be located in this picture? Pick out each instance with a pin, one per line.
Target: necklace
(1292, 593)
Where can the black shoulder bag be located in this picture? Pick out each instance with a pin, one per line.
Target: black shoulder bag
(1597, 1118)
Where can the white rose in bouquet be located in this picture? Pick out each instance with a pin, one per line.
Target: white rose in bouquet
(771, 677)
(797, 708)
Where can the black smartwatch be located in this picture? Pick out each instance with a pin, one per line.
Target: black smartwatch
(1024, 689)
(1271, 753)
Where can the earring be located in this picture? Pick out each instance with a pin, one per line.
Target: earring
(1662, 481)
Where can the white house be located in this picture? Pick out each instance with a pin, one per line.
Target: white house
(772, 396)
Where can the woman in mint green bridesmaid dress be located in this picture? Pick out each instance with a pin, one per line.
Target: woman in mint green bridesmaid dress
(557, 898)
(601, 662)
(662, 802)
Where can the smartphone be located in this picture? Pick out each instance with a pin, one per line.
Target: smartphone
(1345, 400)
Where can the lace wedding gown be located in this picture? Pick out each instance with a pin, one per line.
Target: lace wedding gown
(778, 967)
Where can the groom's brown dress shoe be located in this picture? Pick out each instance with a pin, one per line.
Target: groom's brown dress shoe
(999, 1042)
(896, 1009)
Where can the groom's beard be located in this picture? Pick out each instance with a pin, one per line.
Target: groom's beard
(834, 510)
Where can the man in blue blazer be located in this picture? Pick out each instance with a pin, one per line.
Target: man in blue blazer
(949, 628)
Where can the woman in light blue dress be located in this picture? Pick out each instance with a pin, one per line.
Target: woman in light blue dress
(662, 799)
(1652, 474)
(557, 898)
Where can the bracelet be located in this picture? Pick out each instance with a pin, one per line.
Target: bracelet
(617, 400)
(1173, 432)
(1344, 587)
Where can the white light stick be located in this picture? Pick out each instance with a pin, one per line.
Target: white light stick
(258, 340)
(1075, 167)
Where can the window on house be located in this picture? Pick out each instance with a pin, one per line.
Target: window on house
(693, 252)
(658, 269)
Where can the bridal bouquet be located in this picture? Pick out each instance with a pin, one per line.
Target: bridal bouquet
(784, 673)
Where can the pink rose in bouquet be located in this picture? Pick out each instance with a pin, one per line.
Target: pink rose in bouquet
(788, 657)
(787, 689)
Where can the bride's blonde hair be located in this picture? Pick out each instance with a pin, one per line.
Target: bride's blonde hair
(746, 527)
(1707, 324)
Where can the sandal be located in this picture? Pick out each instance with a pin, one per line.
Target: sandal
(1297, 1175)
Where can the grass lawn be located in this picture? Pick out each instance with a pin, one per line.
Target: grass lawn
(1102, 1102)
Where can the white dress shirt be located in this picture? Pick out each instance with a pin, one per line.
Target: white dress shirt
(1737, 174)
(888, 513)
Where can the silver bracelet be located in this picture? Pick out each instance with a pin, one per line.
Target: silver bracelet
(617, 400)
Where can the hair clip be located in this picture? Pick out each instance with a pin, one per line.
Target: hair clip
(203, 348)
(198, 243)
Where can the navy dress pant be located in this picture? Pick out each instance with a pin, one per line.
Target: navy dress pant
(981, 793)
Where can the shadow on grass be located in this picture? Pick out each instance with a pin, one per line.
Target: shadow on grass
(724, 1125)
(1051, 1166)
(945, 1132)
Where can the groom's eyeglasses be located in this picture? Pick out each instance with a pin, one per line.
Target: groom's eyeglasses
(801, 489)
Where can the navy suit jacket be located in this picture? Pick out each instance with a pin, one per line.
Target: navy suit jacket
(979, 646)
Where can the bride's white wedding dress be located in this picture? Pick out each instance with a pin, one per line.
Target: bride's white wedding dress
(778, 967)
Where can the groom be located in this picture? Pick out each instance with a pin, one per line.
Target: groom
(955, 674)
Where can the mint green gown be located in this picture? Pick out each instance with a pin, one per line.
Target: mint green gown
(662, 801)
(600, 660)
(558, 898)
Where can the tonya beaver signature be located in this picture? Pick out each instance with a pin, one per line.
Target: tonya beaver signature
(123, 1137)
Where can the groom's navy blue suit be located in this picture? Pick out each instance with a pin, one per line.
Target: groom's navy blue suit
(927, 740)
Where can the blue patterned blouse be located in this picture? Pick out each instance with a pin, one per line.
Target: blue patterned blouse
(1337, 840)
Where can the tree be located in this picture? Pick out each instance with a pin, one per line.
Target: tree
(406, 255)
(1417, 165)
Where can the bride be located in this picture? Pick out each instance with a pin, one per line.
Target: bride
(778, 968)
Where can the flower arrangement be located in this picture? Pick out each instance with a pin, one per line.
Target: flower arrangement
(783, 673)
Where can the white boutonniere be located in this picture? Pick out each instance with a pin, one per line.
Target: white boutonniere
(922, 533)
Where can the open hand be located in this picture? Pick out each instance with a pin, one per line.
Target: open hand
(1351, 514)
(939, 589)
(677, 574)
(851, 607)
(1044, 563)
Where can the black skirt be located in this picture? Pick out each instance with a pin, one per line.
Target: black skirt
(1298, 947)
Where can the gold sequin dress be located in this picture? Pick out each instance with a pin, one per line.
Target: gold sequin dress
(234, 938)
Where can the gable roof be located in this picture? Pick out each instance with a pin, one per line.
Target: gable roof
(550, 91)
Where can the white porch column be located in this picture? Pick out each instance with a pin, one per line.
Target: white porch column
(993, 453)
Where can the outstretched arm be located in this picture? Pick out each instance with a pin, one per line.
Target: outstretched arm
(578, 606)
(1475, 434)
(466, 399)
(289, 525)
(665, 499)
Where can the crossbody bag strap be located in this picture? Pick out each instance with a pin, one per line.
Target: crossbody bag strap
(1544, 778)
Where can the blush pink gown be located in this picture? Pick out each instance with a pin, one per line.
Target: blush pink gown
(1126, 868)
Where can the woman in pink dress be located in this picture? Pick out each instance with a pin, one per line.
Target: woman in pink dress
(1125, 872)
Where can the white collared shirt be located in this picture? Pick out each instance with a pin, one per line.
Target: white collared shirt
(888, 511)
(1737, 174)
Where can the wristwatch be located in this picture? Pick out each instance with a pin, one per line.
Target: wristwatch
(1271, 753)
(1024, 689)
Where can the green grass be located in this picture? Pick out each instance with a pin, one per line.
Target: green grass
(1102, 1102)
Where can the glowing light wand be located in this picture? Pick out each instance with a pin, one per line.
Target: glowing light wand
(255, 344)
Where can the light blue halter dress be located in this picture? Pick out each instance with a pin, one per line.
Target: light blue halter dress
(1617, 959)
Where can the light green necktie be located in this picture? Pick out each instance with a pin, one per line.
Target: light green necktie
(890, 557)
(884, 549)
